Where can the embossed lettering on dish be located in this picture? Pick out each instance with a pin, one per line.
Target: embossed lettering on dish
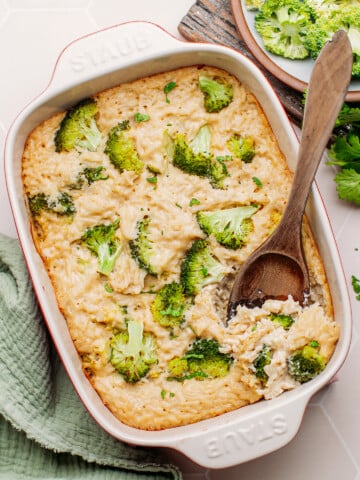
(109, 51)
(251, 435)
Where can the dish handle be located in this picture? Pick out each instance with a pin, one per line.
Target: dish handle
(103, 51)
(246, 438)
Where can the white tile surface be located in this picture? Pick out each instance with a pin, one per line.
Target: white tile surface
(32, 34)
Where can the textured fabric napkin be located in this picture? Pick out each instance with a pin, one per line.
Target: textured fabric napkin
(45, 431)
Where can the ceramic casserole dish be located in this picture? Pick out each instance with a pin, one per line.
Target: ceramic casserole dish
(120, 54)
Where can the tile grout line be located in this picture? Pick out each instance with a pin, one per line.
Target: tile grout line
(341, 439)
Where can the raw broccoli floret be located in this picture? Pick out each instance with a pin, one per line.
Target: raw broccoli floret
(343, 18)
(195, 158)
(242, 147)
(284, 320)
(102, 242)
(169, 306)
(253, 4)
(121, 150)
(218, 93)
(230, 227)
(283, 26)
(133, 352)
(306, 363)
(88, 175)
(141, 246)
(200, 268)
(324, 7)
(261, 361)
(61, 205)
(203, 360)
(78, 129)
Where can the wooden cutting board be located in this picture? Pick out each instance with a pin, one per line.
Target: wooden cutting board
(212, 21)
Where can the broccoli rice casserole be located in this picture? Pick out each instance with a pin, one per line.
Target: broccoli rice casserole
(144, 202)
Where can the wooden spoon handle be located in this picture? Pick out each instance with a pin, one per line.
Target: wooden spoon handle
(328, 85)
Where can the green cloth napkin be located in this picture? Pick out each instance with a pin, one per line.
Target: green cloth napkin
(45, 431)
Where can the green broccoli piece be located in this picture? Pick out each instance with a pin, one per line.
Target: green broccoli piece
(242, 148)
(38, 203)
(200, 268)
(195, 158)
(169, 306)
(141, 246)
(253, 4)
(88, 175)
(283, 26)
(324, 7)
(261, 361)
(102, 242)
(348, 185)
(121, 150)
(343, 18)
(133, 352)
(218, 93)
(61, 205)
(78, 128)
(306, 363)
(203, 360)
(230, 227)
(284, 320)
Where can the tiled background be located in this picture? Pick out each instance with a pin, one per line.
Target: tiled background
(32, 34)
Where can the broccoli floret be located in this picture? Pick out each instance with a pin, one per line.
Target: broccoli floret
(218, 93)
(195, 158)
(324, 7)
(284, 320)
(230, 227)
(133, 352)
(61, 205)
(169, 306)
(141, 246)
(102, 242)
(78, 128)
(203, 360)
(121, 150)
(88, 175)
(38, 203)
(253, 4)
(242, 147)
(200, 268)
(343, 18)
(260, 362)
(306, 363)
(283, 26)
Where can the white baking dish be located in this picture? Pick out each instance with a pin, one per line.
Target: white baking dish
(123, 53)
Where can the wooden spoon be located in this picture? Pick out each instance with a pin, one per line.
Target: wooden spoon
(278, 268)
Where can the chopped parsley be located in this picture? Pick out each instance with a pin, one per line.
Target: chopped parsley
(141, 117)
(167, 89)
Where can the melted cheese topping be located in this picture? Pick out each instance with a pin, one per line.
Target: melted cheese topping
(94, 305)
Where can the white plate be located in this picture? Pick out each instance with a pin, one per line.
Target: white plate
(294, 73)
